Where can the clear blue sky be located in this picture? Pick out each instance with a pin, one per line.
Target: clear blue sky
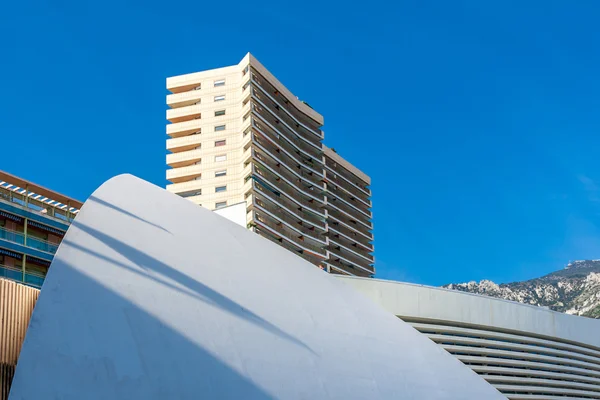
(478, 121)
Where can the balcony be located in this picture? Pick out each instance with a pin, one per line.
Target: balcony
(349, 259)
(291, 165)
(180, 129)
(275, 228)
(184, 158)
(348, 268)
(300, 182)
(184, 174)
(314, 149)
(292, 151)
(341, 224)
(184, 143)
(181, 114)
(335, 234)
(28, 241)
(299, 115)
(282, 115)
(288, 246)
(359, 202)
(350, 215)
(183, 83)
(282, 201)
(350, 253)
(183, 99)
(349, 210)
(293, 222)
(16, 274)
(275, 180)
(32, 204)
(347, 176)
(185, 187)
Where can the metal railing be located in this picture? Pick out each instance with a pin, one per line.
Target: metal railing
(35, 205)
(29, 241)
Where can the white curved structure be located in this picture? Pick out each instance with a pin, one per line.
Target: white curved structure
(526, 352)
(152, 297)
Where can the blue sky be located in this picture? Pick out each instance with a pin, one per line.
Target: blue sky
(478, 121)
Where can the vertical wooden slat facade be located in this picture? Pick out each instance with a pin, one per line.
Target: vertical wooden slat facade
(16, 305)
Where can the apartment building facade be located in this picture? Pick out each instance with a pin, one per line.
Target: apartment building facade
(33, 222)
(237, 135)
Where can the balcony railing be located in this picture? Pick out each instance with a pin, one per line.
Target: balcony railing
(336, 202)
(288, 219)
(344, 173)
(276, 229)
(349, 268)
(300, 115)
(290, 164)
(274, 123)
(350, 255)
(295, 208)
(307, 256)
(29, 241)
(283, 186)
(16, 274)
(37, 206)
(350, 218)
(294, 153)
(349, 241)
(341, 224)
(302, 184)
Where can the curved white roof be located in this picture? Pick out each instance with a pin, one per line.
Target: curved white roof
(152, 297)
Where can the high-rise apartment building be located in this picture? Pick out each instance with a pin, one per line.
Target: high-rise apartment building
(238, 137)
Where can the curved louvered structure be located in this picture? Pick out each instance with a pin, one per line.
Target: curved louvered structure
(526, 352)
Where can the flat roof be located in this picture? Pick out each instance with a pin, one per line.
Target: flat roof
(37, 189)
(346, 164)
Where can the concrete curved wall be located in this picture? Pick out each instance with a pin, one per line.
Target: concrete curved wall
(526, 352)
(152, 297)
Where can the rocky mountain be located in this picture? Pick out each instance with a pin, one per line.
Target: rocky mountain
(572, 290)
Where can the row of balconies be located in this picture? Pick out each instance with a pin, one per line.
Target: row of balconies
(342, 267)
(363, 204)
(287, 245)
(305, 187)
(350, 214)
(311, 124)
(279, 112)
(183, 174)
(347, 175)
(349, 240)
(351, 255)
(314, 149)
(279, 141)
(312, 205)
(283, 201)
(277, 228)
(302, 172)
(362, 233)
(340, 182)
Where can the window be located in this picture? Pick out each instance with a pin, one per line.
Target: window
(219, 128)
(221, 173)
(222, 157)
(220, 97)
(221, 204)
(219, 143)
(220, 189)
(220, 82)
(219, 113)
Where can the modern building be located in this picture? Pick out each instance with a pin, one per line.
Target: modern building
(237, 135)
(524, 351)
(33, 221)
(152, 297)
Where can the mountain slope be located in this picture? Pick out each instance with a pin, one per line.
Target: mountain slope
(572, 290)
